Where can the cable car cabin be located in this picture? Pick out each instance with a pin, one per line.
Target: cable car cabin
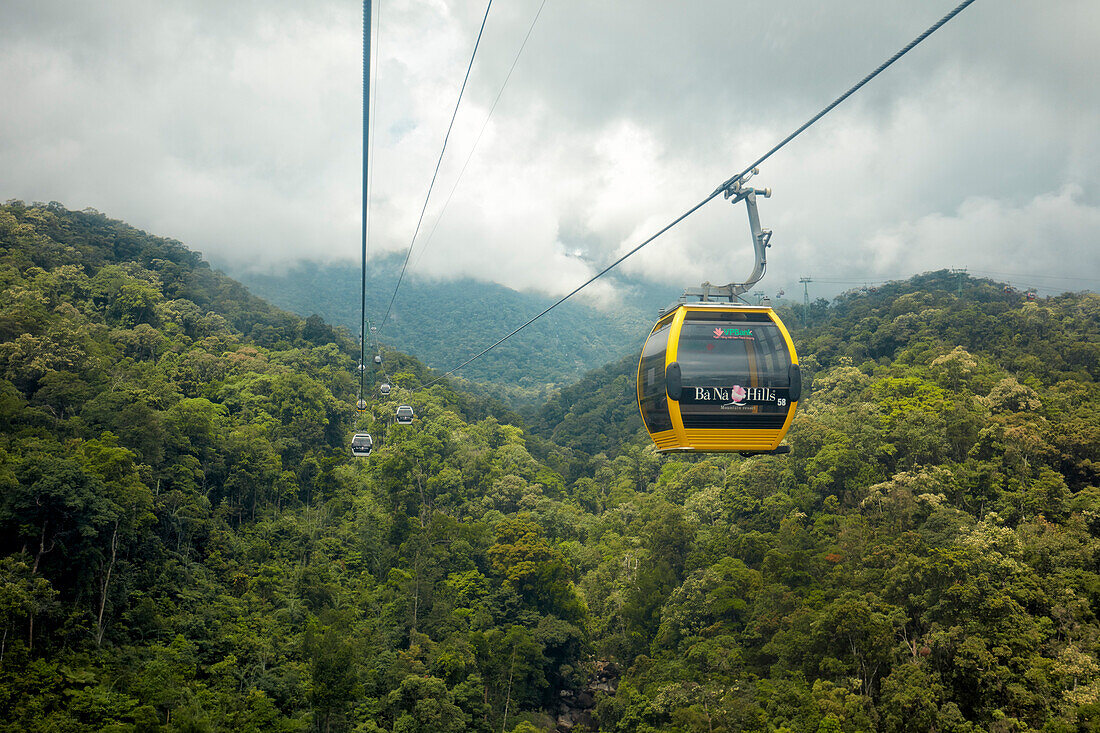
(719, 377)
(361, 445)
(405, 415)
(384, 388)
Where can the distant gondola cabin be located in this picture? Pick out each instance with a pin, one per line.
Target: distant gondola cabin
(361, 445)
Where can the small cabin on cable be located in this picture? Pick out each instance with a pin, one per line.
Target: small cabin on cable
(361, 445)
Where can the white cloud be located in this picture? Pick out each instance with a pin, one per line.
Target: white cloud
(235, 128)
(994, 237)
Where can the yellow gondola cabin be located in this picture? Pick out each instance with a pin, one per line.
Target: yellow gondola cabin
(718, 377)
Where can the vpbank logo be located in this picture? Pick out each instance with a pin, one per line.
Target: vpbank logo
(732, 333)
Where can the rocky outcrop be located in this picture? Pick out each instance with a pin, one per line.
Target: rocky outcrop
(575, 709)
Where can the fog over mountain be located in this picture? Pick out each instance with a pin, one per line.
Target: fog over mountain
(236, 127)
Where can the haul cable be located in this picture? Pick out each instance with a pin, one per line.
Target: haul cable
(726, 186)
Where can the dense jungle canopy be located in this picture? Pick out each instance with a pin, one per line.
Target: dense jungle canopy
(186, 543)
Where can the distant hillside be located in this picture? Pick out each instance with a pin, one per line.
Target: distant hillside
(444, 323)
(50, 236)
(1053, 338)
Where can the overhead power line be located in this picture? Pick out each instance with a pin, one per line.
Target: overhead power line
(729, 182)
(446, 137)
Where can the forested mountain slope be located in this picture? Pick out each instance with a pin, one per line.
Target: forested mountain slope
(445, 323)
(899, 570)
(186, 544)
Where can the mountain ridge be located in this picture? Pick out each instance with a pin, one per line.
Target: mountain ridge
(445, 323)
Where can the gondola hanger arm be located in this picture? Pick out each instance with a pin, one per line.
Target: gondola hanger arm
(736, 191)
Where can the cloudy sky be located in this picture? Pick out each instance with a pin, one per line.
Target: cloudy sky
(235, 128)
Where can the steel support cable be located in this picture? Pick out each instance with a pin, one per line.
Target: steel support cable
(725, 186)
(365, 201)
(1029, 284)
(882, 67)
(382, 369)
(481, 132)
(374, 109)
(439, 162)
(369, 139)
(1026, 285)
(882, 280)
(1043, 277)
(576, 290)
